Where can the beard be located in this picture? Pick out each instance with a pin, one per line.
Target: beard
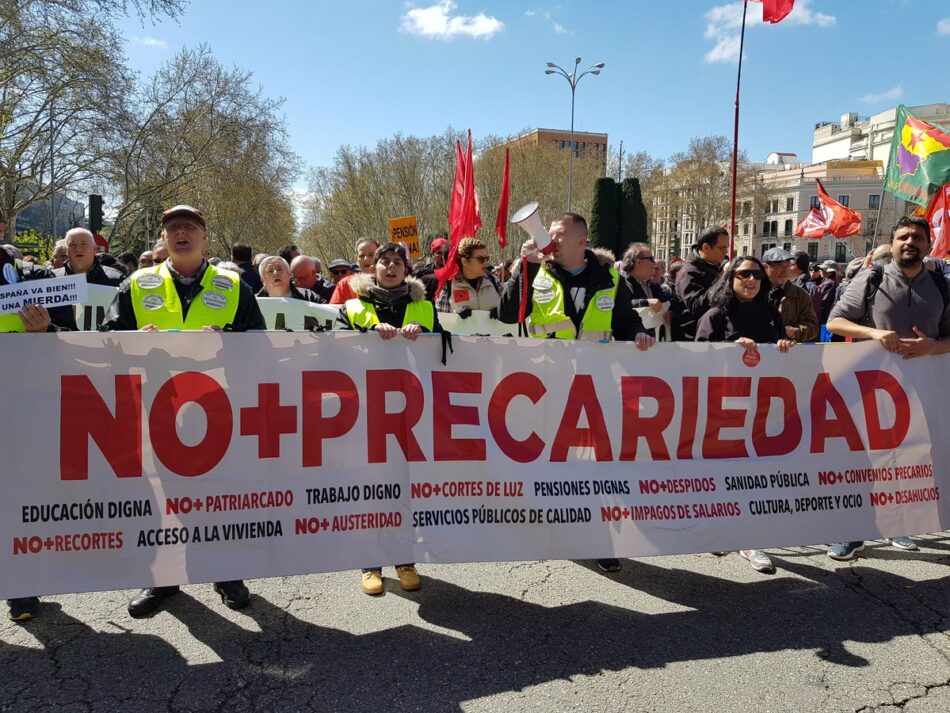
(910, 259)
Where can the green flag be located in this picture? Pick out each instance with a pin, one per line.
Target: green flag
(920, 158)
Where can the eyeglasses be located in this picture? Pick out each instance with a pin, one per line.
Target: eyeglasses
(777, 265)
(339, 272)
(481, 258)
(746, 274)
(648, 258)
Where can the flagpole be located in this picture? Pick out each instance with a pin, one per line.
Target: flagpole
(735, 137)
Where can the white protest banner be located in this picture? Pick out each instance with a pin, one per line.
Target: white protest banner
(479, 322)
(51, 292)
(298, 315)
(92, 310)
(138, 459)
(656, 320)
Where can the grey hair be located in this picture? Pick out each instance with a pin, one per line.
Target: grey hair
(262, 267)
(631, 254)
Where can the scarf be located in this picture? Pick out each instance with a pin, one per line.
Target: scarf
(387, 298)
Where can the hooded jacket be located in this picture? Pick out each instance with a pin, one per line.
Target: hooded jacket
(625, 323)
(388, 314)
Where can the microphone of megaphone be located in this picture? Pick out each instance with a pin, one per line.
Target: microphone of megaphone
(529, 219)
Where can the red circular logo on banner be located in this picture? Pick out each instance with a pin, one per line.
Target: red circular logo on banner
(751, 357)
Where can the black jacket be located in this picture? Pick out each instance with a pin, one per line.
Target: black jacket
(625, 323)
(120, 317)
(98, 274)
(754, 320)
(692, 285)
(250, 277)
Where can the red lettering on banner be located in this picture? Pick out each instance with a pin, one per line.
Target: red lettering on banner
(380, 423)
(268, 420)
(445, 415)
(824, 394)
(83, 413)
(783, 443)
(684, 451)
(635, 426)
(883, 438)
(718, 418)
(520, 383)
(317, 427)
(582, 397)
(191, 387)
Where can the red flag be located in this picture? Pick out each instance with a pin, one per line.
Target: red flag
(775, 10)
(501, 222)
(812, 225)
(458, 189)
(842, 221)
(938, 215)
(468, 222)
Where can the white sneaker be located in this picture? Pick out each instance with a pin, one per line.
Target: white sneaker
(759, 560)
(903, 543)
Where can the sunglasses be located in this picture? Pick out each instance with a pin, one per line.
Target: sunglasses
(746, 274)
(648, 258)
(343, 271)
(481, 258)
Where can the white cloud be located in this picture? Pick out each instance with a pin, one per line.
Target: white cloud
(891, 95)
(546, 16)
(438, 22)
(723, 23)
(150, 42)
(943, 26)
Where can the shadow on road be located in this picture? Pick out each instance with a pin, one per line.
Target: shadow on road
(511, 644)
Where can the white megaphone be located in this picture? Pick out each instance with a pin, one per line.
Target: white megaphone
(529, 219)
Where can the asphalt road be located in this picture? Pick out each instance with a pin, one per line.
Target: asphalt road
(686, 633)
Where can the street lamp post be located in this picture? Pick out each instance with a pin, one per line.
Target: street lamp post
(573, 78)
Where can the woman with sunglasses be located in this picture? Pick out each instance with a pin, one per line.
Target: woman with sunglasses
(473, 288)
(740, 312)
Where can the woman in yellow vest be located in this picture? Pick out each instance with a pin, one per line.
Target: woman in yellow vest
(389, 302)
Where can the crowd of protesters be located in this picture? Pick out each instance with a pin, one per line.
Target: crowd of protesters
(897, 295)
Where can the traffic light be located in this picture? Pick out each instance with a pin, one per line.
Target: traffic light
(95, 213)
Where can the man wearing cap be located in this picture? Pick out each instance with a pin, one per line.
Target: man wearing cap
(576, 294)
(439, 250)
(184, 293)
(826, 289)
(792, 302)
(81, 258)
(32, 318)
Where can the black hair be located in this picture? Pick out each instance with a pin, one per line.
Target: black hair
(721, 294)
(392, 248)
(241, 252)
(286, 250)
(905, 221)
(710, 236)
(802, 260)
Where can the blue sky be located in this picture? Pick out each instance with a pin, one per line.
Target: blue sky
(356, 72)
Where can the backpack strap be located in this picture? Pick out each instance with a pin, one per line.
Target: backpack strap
(942, 287)
(870, 289)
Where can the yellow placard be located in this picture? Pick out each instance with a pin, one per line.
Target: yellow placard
(405, 230)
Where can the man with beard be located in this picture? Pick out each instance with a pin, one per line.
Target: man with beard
(901, 305)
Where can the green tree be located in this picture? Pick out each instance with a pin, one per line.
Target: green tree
(604, 215)
(633, 215)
